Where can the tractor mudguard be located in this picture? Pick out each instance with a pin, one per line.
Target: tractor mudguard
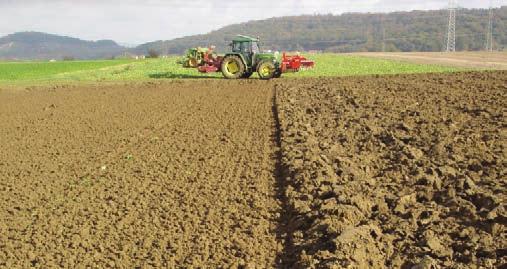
(239, 55)
(248, 67)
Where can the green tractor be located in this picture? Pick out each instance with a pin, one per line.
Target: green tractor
(244, 59)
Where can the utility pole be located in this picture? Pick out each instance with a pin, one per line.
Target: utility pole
(451, 31)
(382, 23)
(489, 33)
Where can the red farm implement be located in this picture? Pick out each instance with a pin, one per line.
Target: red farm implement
(244, 59)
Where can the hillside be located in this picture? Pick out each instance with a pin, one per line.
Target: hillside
(353, 32)
(42, 46)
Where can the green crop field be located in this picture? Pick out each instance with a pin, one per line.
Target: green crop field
(15, 71)
(153, 69)
(347, 65)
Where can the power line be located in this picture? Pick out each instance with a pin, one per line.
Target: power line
(425, 37)
(451, 29)
(489, 33)
(383, 32)
(384, 18)
(460, 15)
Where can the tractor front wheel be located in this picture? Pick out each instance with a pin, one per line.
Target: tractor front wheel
(266, 70)
(233, 67)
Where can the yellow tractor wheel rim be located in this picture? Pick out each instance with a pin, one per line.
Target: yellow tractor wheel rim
(232, 67)
(265, 71)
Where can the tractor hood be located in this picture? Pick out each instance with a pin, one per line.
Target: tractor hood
(268, 56)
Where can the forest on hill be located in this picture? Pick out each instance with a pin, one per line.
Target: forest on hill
(43, 46)
(355, 32)
(351, 32)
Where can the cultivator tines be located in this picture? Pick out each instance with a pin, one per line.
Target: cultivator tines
(295, 63)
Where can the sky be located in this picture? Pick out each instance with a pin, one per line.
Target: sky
(137, 22)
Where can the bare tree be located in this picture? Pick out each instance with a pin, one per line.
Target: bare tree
(152, 53)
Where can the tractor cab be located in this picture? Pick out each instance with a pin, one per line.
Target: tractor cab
(247, 47)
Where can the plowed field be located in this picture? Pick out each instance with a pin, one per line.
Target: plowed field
(368, 172)
(483, 60)
(396, 172)
(175, 175)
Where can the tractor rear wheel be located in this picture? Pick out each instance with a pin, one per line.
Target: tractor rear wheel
(232, 67)
(266, 70)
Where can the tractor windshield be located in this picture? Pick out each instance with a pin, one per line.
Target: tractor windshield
(236, 47)
(240, 47)
(245, 47)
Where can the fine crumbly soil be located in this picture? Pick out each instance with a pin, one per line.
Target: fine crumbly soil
(487, 60)
(368, 172)
(173, 175)
(396, 172)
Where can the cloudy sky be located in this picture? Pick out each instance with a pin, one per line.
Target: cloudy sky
(135, 22)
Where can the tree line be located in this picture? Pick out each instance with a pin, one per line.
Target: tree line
(355, 32)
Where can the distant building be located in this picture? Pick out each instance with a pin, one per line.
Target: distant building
(128, 55)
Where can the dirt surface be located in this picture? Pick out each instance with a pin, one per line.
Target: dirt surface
(177, 175)
(368, 172)
(396, 172)
(483, 60)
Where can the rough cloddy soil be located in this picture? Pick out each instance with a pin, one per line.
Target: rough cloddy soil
(173, 175)
(395, 172)
(372, 172)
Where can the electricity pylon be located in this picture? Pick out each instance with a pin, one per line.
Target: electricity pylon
(489, 33)
(451, 30)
